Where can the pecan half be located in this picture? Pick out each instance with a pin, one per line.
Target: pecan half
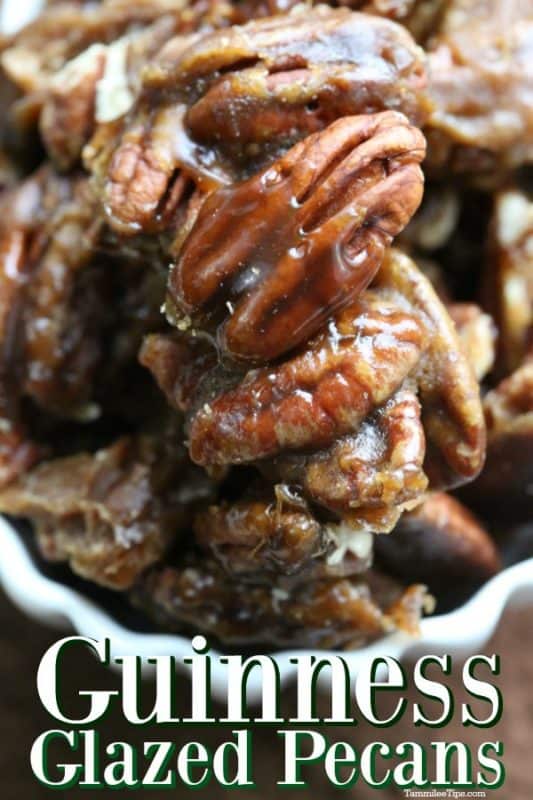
(368, 477)
(111, 514)
(282, 79)
(328, 613)
(298, 241)
(218, 106)
(314, 397)
(396, 331)
(382, 67)
(138, 173)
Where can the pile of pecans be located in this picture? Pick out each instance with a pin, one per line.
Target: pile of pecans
(256, 261)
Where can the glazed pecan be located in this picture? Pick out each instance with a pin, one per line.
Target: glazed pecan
(62, 304)
(397, 331)
(508, 280)
(295, 243)
(378, 66)
(371, 476)
(137, 174)
(441, 543)
(341, 418)
(219, 106)
(256, 538)
(318, 395)
(481, 76)
(65, 303)
(111, 514)
(327, 613)
(304, 71)
(22, 212)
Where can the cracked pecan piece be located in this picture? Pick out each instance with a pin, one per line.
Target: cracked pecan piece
(328, 613)
(441, 543)
(110, 514)
(297, 242)
(481, 72)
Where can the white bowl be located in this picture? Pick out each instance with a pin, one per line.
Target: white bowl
(459, 633)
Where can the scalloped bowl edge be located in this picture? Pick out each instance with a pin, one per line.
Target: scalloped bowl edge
(459, 633)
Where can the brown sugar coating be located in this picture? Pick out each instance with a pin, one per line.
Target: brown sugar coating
(265, 308)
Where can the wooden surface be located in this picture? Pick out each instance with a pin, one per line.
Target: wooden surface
(22, 719)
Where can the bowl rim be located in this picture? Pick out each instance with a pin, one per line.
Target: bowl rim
(460, 631)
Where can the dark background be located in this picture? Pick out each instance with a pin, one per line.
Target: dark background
(22, 719)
